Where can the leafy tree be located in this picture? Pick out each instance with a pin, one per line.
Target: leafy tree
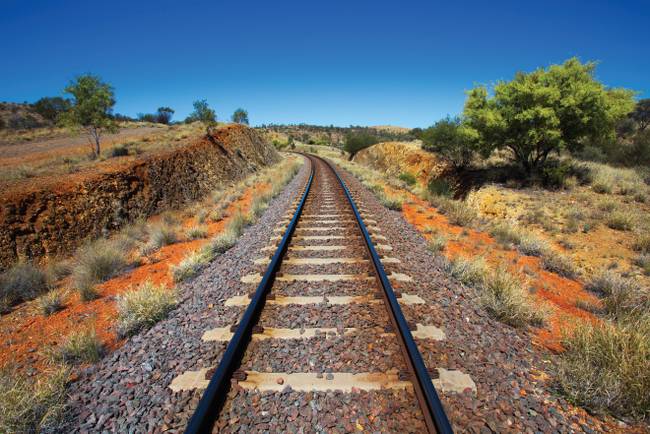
(546, 111)
(452, 140)
(357, 142)
(641, 113)
(203, 113)
(164, 115)
(92, 104)
(240, 116)
(51, 107)
(147, 117)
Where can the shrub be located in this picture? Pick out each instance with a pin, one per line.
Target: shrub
(504, 298)
(216, 215)
(620, 221)
(237, 224)
(29, 405)
(408, 178)
(51, 302)
(81, 346)
(623, 298)
(437, 244)
(140, 309)
(559, 264)
(119, 151)
(357, 142)
(643, 261)
(21, 282)
(196, 232)
(440, 187)
(468, 271)
(452, 140)
(221, 243)
(532, 246)
(607, 367)
(458, 212)
(512, 235)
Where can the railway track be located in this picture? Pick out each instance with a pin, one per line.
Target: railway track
(324, 316)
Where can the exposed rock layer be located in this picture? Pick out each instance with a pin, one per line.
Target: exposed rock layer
(55, 218)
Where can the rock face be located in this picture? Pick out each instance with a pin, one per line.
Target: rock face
(56, 218)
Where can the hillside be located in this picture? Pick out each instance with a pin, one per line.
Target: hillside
(16, 116)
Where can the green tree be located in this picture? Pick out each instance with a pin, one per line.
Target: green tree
(641, 113)
(51, 107)
(240, 116)
(545, 111)
(452, 140)
(164, 115)
(92, 104)
(203, 113)
(355, 142)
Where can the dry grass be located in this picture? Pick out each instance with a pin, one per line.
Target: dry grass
(458, 212)
(606, 367)
(21, 282)
(196, 232)
(141, 308)
(619, 220)
(79, 347)
(642, 244)
(469, 271)
(504, 297)
(437, 244)
(559, 264)
(95, 263)
(191, 265)
(28, 404)
(512, 235)
(51, 302)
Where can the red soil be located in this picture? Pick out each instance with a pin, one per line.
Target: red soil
(25, 333)
(558, 293)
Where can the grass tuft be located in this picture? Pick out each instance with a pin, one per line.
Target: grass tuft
(620, 221)
(21, 282)
(559, 264)
(504, 298)
(196, 232)
(190, 265)
(95, 263)
(51, 302)
(141, 308)
(437, 244)
(642, 244)
(469, 271)
(79, 347)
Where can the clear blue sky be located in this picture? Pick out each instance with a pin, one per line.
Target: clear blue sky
(340, 62)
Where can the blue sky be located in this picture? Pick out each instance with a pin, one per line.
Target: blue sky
(335, 62)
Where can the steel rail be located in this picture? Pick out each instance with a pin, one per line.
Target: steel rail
(215, 394)
(432, 409)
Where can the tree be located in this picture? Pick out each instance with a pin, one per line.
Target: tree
(240, 116)
(356, 142)
(164, 115)
(51, 107)
(546, 111)
(641, 113)
(203, 113)
(452, 140)
(92, 104)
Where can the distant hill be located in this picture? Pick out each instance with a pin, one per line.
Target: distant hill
(392, 129)
(16, 116)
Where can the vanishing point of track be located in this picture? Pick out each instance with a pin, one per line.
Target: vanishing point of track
(325, 222)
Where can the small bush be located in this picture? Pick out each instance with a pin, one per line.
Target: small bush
(259, 204)
(623, 298)
(221, 243)
(394, 203)
(607, 367)
(29, 405)
(559, 264)
(21, 282)
(620, 221)
(119, 151)
(469, 271)
(196, 232)
(216, 215)
(440, 187)
(140, 309)
(643, 261)
(51, 302)
(161, 235)
(607, 205)
(408, 178)
(80, 347)
(236, 224)
(504, 298)
(532, 246)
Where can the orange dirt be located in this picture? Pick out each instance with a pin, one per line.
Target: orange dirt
(558, 293)
(26, 333)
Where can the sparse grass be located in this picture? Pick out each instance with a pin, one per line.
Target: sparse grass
(21, 282)
(469, 271)
(458, 212)
(437, 244)
(196, 232)
(607, 205)
(607, 367)
(237, 223)
(621, 221)
(259, 204)
(79, 347)
(559, 264)
(643, 261)
(623, 298)
(392, 202)
(190, 265)
(216, 215)
(512, 235)
(30, 405)
(504, 297)
(51, 302)
(95, 263)
(141, 308)
(221, 243)
(642, 244)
